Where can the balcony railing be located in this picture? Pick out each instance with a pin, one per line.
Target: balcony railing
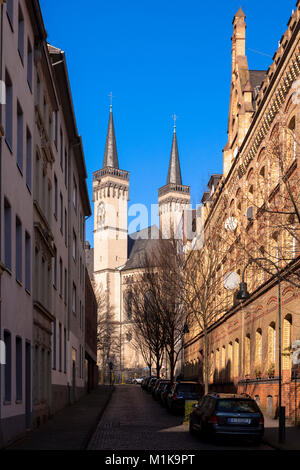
(111, 171)
(178, 188)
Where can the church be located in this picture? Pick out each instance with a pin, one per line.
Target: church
(116, 257)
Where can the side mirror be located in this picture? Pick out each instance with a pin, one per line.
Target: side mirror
(195, 405)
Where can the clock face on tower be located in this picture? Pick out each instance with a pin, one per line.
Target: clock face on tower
(100, 215)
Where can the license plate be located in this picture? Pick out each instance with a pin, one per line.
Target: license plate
(239, 420)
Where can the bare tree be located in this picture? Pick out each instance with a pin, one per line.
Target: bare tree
(108, 331)
(204, 295)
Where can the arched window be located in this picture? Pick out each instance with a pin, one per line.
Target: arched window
(271, 345)
(223, 361)
(236, 358)
(212, 367)
(129, 305)
(217, 362)
(292, 137)
(247, 354)
(286, 342)
(258, 348)
(229, 361)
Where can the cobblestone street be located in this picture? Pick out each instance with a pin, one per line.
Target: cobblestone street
(134, 421)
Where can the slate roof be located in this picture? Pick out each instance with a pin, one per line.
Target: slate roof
(256, 78)
(141, 243)
(174, 173)
(110, 152)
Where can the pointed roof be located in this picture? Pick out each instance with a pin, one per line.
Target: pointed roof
(240, 13)
(174, 173)
(110, 152)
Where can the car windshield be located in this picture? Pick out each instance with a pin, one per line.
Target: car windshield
(237, 406)
(189, 388)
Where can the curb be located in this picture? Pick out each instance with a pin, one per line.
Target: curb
(98, 417)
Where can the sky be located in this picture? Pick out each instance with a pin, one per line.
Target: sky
(158, 58)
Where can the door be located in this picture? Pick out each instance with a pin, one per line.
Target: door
(27, 385)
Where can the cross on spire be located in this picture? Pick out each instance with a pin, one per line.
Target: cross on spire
(111, 98)
(174, 119)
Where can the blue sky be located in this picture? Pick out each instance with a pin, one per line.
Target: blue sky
(158, 58)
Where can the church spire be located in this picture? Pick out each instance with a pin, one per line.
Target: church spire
(110, 153)
(174, 173)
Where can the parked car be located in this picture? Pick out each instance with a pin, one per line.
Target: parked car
(157, 389)
(164, 393)
(226, 414)
(151, 384)
(182, 391)
(145, 383)
(137, 380)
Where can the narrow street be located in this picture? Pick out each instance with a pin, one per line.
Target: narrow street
(134, 421)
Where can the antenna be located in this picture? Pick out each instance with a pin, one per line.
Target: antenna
(174, 119)
(111, 98)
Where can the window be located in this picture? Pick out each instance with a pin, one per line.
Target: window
(286, 342)
(66, 168)
(60, 277)
(21, 34)
(27, 262)
(74, 249)
(55, 267)
(55, 128)
(55, 196)
(129, 305)
(66, 228)
(236, 357)
(258, 348)
(61, 150)
(19, 137)
(18, 369)
(18, 250)
(7, 367)
(54, 345)
(7, 233)
(65, 350)
(66, 286)
(74, 299)
(10, 11)
(28, 158)
(60, 348)
(37, 179)
(61, 213)
(29, 64)
(8, 111)
(271, 345)
(229, 361)
(74, 193)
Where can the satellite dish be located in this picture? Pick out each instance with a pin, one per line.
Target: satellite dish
(231, 280)
(231, 224)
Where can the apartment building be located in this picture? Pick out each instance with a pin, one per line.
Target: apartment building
(44, 203)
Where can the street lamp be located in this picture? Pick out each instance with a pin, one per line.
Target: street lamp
(242, 295)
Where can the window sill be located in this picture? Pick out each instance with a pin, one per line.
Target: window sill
(9, 146)
(10, 22)
(30, 86)
(18, 402)
(29, 188)
(21, 58)
(19, 282)
(28, 291)
(8, 270)
(20, 170)
(6, 403)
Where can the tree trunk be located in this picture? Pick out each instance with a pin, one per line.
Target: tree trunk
(206, 361)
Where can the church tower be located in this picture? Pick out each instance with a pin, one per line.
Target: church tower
(110, 197)
(174, 197)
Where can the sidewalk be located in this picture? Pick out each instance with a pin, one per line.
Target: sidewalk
(71, 428)
(292, 441)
